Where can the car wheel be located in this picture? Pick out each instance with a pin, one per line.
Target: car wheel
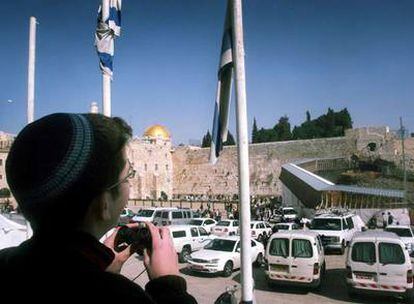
(184, 254)
(259, 260)
(351, 292)
(228, 269)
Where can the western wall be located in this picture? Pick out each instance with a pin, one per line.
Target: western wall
(193, 174)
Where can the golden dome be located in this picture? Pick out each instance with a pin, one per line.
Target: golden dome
(157, 131)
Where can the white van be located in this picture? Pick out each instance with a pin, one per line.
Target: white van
(187, 239)
(378, 263)
(147, 214)
(173, 217)
(295, 257)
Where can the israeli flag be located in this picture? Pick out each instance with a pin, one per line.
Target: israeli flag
(107, 28)
(222, 104)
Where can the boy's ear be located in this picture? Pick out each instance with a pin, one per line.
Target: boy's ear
(101, 206)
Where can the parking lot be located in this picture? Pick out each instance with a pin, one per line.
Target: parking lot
(206, 288)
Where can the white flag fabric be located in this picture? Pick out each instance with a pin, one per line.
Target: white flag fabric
(222, 104)
(107, 28)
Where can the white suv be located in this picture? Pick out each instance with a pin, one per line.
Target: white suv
(405, 233)
(336, 229)
(260, 230)
(226, 227)
(148, 214)
(188, 238)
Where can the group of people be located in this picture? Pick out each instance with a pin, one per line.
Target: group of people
(387, 219)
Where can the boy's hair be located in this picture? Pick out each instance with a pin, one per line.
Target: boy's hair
(58, 164)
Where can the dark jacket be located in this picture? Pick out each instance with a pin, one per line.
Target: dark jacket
(71, 267)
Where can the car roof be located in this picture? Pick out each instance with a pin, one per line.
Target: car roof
(375, 234)
(331, 215)
(181, 227)
(295, 233)
(289, 224)
(230, 238)
(255, 222)
(398, 227)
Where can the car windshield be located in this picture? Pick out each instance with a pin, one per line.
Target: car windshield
(196, 222)
(223, 223)
(289, 211)
(221, 245)
(325, 224)
(401, 232)
(145, 213)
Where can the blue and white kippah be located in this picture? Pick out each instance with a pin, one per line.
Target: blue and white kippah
(73, 164)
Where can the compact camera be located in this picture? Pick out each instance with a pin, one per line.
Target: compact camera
(138, 237)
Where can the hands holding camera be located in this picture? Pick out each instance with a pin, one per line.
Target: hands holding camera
(160, 259)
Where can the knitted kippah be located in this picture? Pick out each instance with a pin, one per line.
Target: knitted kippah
(60, 146)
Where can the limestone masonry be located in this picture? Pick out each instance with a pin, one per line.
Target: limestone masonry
(164, 171)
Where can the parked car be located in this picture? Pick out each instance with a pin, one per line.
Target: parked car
(147, 214)
(173, 217)
(276, 217)
(379, 263)
(287, 226)
(226, 227)
(187, 239)
(406, 235)
(126, 216)
(289, 214)
(295, 257)
(223, 255)
(260, 230)
(336, 229)
(206, 223)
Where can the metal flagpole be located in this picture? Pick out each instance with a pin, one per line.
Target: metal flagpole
(243, 153)
(402, 131)
(31, 71)
(106, 79)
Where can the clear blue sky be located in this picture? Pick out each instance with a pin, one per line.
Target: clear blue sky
(300, 55)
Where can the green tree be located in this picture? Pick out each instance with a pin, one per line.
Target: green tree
(282, 129)
(308, 116)
(230, 140)
(206, 142)
(254, 131)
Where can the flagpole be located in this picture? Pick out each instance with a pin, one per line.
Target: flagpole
(106, 79)
(31, 71)
(243, 154)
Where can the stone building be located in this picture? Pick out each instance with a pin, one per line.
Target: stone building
(152, 160)
(166, 172)
(5, 144)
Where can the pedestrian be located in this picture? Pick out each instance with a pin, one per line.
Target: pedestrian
(390, 218)
(75, 166)
(384, 220)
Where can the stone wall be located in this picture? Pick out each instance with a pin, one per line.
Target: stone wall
(194, 175)
(153, 163)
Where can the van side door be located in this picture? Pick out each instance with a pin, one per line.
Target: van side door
(393, 265)
(363, 262)
(302, 259)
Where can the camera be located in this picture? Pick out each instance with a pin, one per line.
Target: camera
(138, 237)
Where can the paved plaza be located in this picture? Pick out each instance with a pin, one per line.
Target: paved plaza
(206, 288)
